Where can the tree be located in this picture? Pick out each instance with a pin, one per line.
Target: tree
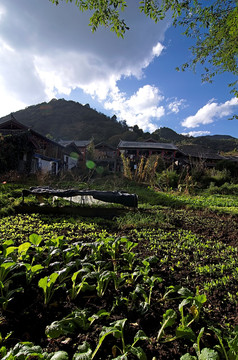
(213, 25)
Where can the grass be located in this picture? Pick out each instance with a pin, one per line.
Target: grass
(223, 199)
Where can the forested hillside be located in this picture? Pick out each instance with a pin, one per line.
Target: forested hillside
(70, 120)
(63, 119)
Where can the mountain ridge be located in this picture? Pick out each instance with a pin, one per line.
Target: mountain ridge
(70, 120)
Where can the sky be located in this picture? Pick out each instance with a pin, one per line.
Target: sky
(49, 51)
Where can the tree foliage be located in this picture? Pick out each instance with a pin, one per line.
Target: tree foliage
(212, 24)
(215, 30)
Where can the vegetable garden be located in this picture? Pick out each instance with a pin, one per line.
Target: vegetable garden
(157, 283)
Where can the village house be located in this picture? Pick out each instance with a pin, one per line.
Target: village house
(80, 146)
(102, 154)
(180, 156)
(106, 156)
(135, 150)
(72, 155)
(197, 154)
(37, 153)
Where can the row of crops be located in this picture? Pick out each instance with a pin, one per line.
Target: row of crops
(77, 289)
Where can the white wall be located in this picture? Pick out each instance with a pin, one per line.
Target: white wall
(70, 163)
(47, 166)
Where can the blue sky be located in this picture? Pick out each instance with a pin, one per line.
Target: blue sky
(50, 52)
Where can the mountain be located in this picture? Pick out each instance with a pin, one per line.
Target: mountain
(70, 120)
(217, 143)
(66, 120)
(165, 133)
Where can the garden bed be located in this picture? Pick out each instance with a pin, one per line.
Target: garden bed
(116, 290)
(85, 211)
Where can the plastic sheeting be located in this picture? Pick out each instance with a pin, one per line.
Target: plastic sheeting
(117, 197)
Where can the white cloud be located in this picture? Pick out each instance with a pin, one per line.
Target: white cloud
(157, 49)
(49, 50)
(209, 112)
(142, 108)
(176, 105)
(145, 98)
(20, 85)
(197, 133)
(2, 12)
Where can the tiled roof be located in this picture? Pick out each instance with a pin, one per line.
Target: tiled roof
(146, 145)
(12, 126)
(104, 145)
(78, 143)
(201, 152)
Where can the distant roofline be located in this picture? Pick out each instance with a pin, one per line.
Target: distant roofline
(78, 143)
(103, 143)
(146, 145)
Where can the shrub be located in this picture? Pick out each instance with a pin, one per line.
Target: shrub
(218, 177)
(228, 166)
(225, 189)
(168, 179)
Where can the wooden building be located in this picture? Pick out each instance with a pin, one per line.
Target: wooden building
(35, 152)
(80, 145)
(135, 150)
(105, 155)
(194, 154)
